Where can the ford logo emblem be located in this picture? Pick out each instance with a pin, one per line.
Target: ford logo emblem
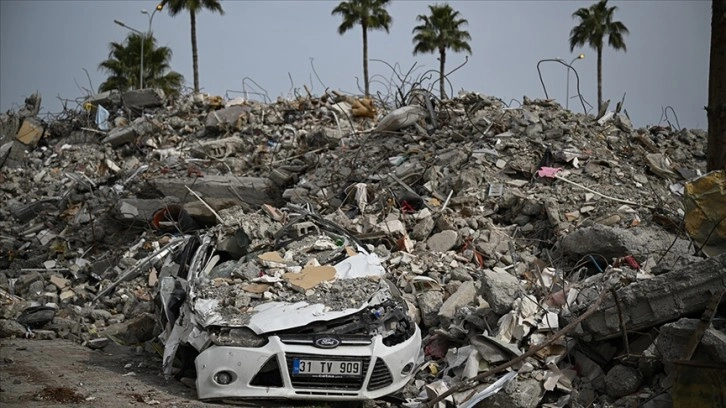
(326, 342)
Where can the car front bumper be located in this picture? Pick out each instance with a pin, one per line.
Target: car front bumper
(383, 370)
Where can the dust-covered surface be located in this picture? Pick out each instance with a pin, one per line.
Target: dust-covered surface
(500, 224)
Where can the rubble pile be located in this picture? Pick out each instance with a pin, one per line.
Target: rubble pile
(501, 225)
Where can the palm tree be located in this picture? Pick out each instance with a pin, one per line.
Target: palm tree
(124, 60)
(440, 31)
(194, 7)
(370, 14)
(596, 22)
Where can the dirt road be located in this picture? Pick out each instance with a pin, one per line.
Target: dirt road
(61, 373)
(55, 373)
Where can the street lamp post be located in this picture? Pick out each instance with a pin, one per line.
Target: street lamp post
(141, 69)
(159, 7)
(567, 98)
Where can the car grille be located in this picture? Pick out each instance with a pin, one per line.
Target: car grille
(344, 383)
(380, 377)
(307, 340)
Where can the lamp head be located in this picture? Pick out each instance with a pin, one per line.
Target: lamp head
(581, 56)
(160, 6)
(144, 12)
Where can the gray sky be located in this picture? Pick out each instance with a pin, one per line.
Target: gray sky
(44, 46)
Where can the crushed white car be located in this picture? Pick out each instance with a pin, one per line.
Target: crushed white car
(301, 313)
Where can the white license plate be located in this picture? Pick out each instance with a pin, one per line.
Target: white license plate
(326, 367)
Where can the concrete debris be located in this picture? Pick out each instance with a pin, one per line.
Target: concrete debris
(622, 380)
(143, 98)
(494, 228)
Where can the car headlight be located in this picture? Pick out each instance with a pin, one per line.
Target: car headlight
(237, 337)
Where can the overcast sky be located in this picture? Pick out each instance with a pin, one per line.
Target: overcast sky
(45, 45)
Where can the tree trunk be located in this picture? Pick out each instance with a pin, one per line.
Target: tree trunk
(195, 57)
(599, 78)
(365, 58)
(442, 64)
(716, 110)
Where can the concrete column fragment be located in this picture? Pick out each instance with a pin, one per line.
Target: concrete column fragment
(251, 190)
(650, 302)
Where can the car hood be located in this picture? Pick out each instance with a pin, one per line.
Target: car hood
(273, 316)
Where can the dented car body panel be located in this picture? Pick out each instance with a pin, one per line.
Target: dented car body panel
(308, 317)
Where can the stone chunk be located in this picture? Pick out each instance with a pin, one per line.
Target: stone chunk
(519, 393)
(136, 330)
(11, 328)
(429, 304)
(466, 294)
(443, 241)
(423, 229)
(622, 380)
(499, 289)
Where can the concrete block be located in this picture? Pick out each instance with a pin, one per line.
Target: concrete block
(11, 328)
(134, 331)
(226, 117)
(429, 304)
(443, 241)
(622, 380)
(519, 393)
(499, 289)
(120, 135)
(108, 99)
(465, 295)
(143, 98)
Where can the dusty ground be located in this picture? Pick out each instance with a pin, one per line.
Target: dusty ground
(53, 373)
(61, 373)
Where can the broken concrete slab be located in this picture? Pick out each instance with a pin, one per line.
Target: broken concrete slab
(109, 99)
(673, 338)
(650, 302)
(133, 331)
(611, 242)
(120, 136)
(143, 98)
(255, 191)
(232, 116)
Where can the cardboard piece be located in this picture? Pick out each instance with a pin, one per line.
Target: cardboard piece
(310, 277)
